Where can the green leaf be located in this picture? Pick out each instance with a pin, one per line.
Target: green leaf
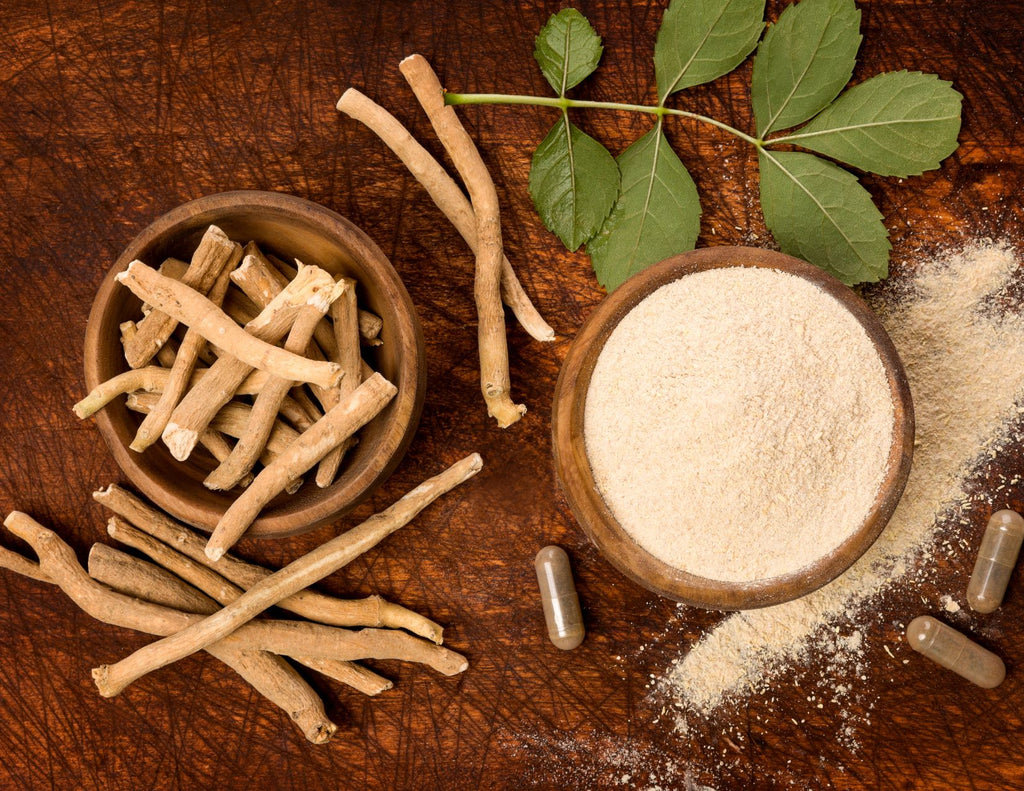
(567, 49)
(896, 124)
(819, 212)
(700, 40)
(803, 62)
(573, 182)
(657, 213)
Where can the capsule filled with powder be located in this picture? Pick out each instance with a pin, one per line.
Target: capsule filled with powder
(559, 599)
(996, 558)
(945, 646)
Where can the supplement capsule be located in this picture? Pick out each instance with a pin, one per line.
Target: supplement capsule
(945, 646)
(996, 558)
(558, 595)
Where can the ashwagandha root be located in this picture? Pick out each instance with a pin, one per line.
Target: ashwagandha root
(152, 379)
(446, 196)
(345, 326)
(327, 433)
(214, 253)
(371, 611)
(143, 580)
(197, 408)
(181, 372)
(192, 308)
(267, 404)
(270, 675)
(297, 575)
(491, 340)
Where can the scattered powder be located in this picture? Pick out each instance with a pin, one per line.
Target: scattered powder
(962, 343)
(949, 604)
(738, 423)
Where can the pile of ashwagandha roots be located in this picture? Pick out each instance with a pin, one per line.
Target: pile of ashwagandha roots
(195, 603)
(244, 303)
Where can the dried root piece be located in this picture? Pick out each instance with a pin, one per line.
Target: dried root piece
(143, 580)
(331, 430)
(446, 195)
(270, 675)
(181, 371)
(153, 379)
(192, 308)
(202, 402)
(345, 321)
(300, 574)
(371, 611)
(491, 340)
(215, 251)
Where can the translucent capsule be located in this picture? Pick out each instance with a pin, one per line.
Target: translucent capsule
(945, 646)
(558, 596)
(996, 558)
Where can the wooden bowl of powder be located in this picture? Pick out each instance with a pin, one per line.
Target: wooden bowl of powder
(733, 428)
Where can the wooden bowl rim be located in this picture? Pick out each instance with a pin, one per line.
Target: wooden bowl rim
(576, 477)
(403, 413)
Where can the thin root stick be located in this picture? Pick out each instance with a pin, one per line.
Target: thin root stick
(446, 196)
(144, 580)
(371, 611)
(327, 433)
(493, 345)
(345, 320)
(300, 574)
(152, 379)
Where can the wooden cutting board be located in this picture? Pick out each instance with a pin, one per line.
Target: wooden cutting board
(113, 112)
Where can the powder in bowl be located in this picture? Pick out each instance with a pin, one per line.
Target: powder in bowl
(738, 423)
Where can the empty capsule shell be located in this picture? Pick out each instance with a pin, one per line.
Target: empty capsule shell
(945, 646)
(558, 596)
(996, 558)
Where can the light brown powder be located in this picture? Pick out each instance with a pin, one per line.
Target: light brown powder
(738, 423)
(963, 349)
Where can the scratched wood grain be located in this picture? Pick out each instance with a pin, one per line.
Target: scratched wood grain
(112, 112)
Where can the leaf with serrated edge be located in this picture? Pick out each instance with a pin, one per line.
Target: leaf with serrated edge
(897, 124)
(803, 62)
(700, 40)
(567, 50)
(819, 212)
(573, 182)
(657, 213)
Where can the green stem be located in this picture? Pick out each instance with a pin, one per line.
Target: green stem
(564, 104)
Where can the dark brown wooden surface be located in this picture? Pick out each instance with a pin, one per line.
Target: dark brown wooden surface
(113, 112)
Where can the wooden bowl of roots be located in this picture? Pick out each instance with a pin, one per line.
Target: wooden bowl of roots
(577, 478)
(289, 228)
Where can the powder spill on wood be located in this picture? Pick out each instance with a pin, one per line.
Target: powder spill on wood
(963, 349)
(738, 423)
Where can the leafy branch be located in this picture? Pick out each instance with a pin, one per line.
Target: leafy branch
(636, 209)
